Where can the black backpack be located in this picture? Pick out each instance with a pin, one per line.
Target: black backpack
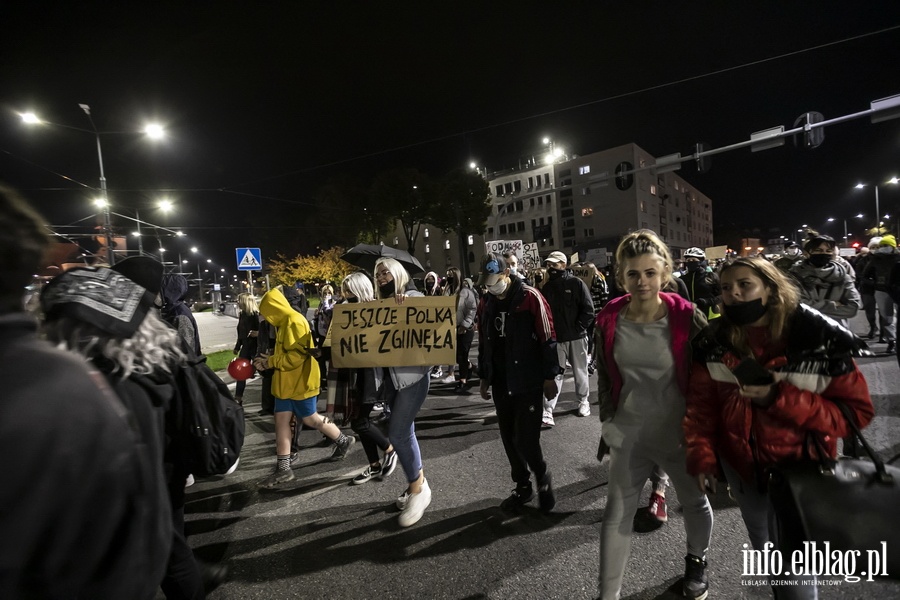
(208, 420)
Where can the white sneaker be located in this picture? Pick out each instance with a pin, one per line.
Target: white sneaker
(547, 419)
(416, 506)
(189, 481)
(448, 379)
(437, 374)
(584, 408)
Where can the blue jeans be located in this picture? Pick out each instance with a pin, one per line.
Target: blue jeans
(405, 405)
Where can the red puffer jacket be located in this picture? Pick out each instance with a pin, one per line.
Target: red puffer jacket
(813, 366)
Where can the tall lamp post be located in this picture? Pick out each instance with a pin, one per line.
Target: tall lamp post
(104, 199)
(152, 130)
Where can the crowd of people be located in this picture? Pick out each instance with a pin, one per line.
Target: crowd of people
(661, 336)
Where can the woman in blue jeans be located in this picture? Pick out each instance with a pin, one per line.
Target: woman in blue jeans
(405, 389)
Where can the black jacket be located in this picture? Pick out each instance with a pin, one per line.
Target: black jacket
(527, 337)
(81, 513)
(573, 310)
(878, 271)
(703, 288)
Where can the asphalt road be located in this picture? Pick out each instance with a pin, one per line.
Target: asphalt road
(324, 538)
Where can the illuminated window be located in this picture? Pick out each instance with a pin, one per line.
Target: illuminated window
(446, 244)
(471, 240)
(427, 248)
(653, 189)
(426, 232)
(396, 241)
(587, 212)
(584, 170)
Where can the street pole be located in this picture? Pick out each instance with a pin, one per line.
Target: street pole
(107, 225)
(140, 239)
(877, 213)
(846, 240)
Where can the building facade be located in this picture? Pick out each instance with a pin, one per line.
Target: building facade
(575, 205)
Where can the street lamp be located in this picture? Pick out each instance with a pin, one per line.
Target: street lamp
(154, 131)
(878, 217)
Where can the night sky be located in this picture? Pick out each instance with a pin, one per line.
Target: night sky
(266, 101)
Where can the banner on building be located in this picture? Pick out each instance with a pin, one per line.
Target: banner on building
(419, 332)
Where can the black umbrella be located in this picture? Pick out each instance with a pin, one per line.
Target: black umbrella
(364, 256)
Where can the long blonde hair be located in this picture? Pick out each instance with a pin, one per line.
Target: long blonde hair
(247, 303)
(401, 277)
(358, 284)
(784, 297)
(639, 243)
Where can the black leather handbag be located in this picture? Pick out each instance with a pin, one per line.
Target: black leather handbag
(850, 503)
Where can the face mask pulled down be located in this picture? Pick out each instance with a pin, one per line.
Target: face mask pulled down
(744, 313)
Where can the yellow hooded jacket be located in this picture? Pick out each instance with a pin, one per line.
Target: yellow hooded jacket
(297, 375)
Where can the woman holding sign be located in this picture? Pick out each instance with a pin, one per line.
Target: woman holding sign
(360, 387)
(405, 389)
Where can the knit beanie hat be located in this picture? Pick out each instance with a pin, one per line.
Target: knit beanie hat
(888, 240)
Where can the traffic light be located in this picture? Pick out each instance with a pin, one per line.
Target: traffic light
(811, 138)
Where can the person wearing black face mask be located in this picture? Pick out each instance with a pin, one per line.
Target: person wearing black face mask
(824, 283)
(701, 282)
(751, 426)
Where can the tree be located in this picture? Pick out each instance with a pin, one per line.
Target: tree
(464, 202)
(344, 217)
(407, 196)
(326, 266)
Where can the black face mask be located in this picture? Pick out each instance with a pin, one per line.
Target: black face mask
(693, 267)
(555, 273)
(819, 260)
(744, 313)
(353, 300)
(387, 289)
(451, 280)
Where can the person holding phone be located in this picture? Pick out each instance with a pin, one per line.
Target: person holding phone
(764, 377)
(643, 352)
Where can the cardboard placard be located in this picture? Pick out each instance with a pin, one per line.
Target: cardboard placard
(419, 332)
(586, 274)
(504, 246)
(716, 252)
(530, 258)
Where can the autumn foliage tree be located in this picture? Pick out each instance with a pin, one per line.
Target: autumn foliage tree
(326, 266)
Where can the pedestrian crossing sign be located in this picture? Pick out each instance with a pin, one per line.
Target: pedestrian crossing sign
(249, 259)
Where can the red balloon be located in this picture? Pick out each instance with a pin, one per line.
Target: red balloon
(240, 369)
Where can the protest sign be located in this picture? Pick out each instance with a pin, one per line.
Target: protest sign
(421, 331)
(586, 274)
(596, 256)
(530, 258)
(716, 252)
(503, 246)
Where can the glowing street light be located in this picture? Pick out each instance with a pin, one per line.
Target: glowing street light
(154, 131)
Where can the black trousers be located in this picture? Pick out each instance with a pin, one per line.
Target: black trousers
(463, 344)
(267, 400)
(519, 418)
(183, 580)
(370, 435)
